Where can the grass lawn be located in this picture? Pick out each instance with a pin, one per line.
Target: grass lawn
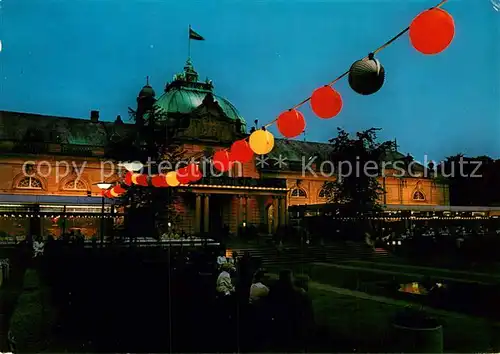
(364, 325)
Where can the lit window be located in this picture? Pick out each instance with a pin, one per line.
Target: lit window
(299, 192)
(75, 185)
(29, 183)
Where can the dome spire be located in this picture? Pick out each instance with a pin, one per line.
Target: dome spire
(190, 73)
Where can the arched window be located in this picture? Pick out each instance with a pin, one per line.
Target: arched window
(75, 185)
(298, 193)
(29, 183)
(418, 196)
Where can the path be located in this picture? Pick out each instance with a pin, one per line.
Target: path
(443, 270)
(389, 272)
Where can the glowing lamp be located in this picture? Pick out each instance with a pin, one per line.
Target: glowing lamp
(183, 175)
(366, 76)
(171, 179)
(159, 181)
(240, 151)
(128, 178)
(291, 123)
(194, 172)
(432, 31)
(221, 161)
(326, 102)
(261, 142)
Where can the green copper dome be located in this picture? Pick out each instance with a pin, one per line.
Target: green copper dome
(185, 94)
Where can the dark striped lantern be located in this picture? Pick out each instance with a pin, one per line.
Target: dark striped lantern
(366, 76)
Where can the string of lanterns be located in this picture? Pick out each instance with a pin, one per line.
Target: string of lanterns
(431, 32)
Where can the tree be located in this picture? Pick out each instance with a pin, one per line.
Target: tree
(150, 210)
(472, 180)
(358, 164)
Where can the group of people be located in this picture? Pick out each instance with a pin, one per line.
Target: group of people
(269, 313)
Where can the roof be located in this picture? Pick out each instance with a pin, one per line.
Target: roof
(52, 129)
(184, 99)
(296, 150)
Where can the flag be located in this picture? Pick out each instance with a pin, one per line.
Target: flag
(195, 36)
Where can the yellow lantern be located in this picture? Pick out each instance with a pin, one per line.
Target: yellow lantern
(261, 142)
(171, 179)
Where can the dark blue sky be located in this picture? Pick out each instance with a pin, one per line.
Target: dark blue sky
(67, 57)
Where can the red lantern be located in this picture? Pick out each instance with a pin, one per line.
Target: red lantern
(194, 172)
(113, 193)
(241, 152)
(221, 161)
(141, 180)
(432, 31)
(183, 175)
(291, 123)
(128, 178)
(326, 102)
(119, 189)
(159, 181)
(107, 193)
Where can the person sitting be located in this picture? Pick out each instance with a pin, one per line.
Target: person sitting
(258, 290)
(221, 259)
(224, 285)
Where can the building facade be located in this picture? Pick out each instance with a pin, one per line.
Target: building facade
(49, 167)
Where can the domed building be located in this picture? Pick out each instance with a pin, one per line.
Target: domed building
(50, 168)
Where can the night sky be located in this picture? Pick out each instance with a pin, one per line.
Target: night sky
(68, 57)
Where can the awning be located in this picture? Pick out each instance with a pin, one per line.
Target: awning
(51, 199)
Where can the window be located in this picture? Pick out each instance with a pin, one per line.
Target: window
(299, 193)
(418, 195)
(75, 185)
(29, 183)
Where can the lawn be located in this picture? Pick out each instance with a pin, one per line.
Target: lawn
(352, 324)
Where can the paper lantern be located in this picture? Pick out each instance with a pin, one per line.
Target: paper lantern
(291, 123)
(128, 178)
(221, 161)
(326, 102)
(194, 172)
(261, 142)
(432, 31)
(366, 76)
(159, 181)
(183, 175)
(113, 193)
(107, 193)
(240, 151)
(119, 189)
(171, 179)
(140, 179)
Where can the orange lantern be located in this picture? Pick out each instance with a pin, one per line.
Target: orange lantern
(261, 142)
(171, 179)
(432, 31)
(221, 161)
(194, 172)
(241, 152)
(128, 178)
(159, 181)
(326, 102)
(291, 123)
(183, 175)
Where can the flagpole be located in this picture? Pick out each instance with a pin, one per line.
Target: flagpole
(189, 42)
